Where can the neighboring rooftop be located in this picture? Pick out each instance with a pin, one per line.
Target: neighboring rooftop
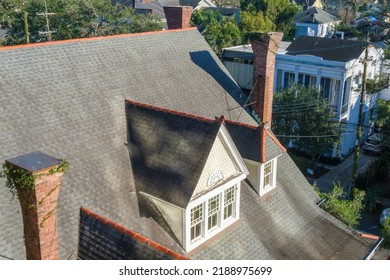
(315, 15)
(327, 48)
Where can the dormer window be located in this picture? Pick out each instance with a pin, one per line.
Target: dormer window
(267, 174)
(213, 212)
(196, 221)
(229, 203)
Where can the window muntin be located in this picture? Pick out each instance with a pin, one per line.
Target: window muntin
(229, 198)
(196, 221)
(267, 174)
(213, 212)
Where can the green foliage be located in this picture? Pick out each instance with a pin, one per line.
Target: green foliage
(382, 112)
(254, 21)
(221, 35)
(376, 85)
(20, 179)
(386, 234)
(346, 210)
(72, 19)
(302, 111)
(280, 12)
(204, 18)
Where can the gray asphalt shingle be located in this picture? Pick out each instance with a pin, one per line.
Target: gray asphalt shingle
(67, 99)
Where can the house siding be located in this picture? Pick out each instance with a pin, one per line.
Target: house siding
(218, 160)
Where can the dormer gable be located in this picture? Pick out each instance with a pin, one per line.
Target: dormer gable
(260, 150)
(187, 169)
(215, 204)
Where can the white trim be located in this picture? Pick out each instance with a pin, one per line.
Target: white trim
(222, 224)
(262, 190)
(232, 149)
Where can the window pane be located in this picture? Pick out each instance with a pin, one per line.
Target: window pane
(196, 221)
(196, 214)
(228, 202)
(213, 212)
(212, 221)
(228, 211)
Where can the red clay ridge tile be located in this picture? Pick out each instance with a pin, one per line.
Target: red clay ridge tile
(241, 124)
(170, 111)
(136, 235)
(369, 236)
(92, 39)
(263, 145)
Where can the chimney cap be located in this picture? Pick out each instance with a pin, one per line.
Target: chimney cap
(34, 161)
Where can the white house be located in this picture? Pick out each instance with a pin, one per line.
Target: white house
(315, 22)
(332, 65)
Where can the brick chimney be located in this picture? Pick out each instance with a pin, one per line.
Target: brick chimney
(178, 17)
(38, 199)
(265, 47)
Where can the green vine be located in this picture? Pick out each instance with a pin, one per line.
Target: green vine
(23, 180)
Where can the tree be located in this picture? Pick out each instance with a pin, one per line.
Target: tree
(254, 21)
(386, 234)
(72, 19)
(306, 120)
(346, 210)
(280, 12)
(221, 35)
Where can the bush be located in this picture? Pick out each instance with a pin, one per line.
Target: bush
(386, 234)
(346, 210)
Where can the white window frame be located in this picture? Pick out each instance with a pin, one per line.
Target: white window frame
(190, 244)
(271, 174)
(198, 221)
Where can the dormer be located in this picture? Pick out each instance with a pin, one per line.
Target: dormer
(188, 170)
(260, 150)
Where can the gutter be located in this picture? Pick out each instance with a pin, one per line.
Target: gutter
(320, 202)
(371, 252)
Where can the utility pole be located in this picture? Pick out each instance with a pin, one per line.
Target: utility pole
(48, 32)
(360, 120)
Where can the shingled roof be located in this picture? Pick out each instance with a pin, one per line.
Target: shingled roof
(315, 15)
(327, 48)
(67, 99)
(102, 239)
(168, 150)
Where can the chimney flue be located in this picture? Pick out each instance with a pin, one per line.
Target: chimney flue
(178, 17)
(37, 178)
(265, 47)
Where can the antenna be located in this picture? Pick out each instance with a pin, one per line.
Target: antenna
(48, 32)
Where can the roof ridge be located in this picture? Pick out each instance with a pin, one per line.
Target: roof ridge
(59, 42)
(241, 124)
(173, 112)
(135, 235)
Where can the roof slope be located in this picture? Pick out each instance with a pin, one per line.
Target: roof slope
(66, 99)
(102, 239)
(168, 151)
(327, 48)
(248, 140)
(315, 15)
(287, 225)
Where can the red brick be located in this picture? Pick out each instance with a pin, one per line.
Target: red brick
(265, 49)
(178, 17)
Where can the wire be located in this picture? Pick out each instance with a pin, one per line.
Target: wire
(308, 136)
